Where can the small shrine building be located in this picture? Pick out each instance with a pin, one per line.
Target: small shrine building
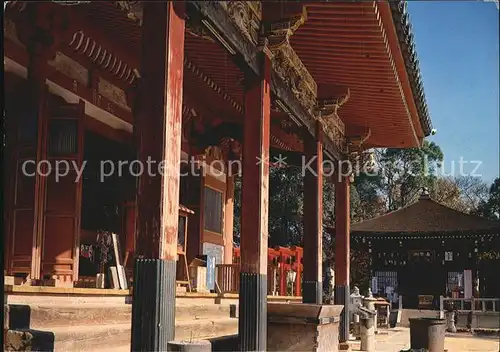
(427, 250)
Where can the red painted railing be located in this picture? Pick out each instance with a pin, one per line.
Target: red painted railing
(227, 278)
(281, 261)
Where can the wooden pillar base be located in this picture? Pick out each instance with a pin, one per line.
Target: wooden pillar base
(342, 298)
(312, 292)
(153, 304)
(252, 321)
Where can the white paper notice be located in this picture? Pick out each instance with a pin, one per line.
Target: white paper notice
(467, 284)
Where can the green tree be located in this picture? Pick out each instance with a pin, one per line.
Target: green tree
(491, 207)
(405, 171)
(285, 206)
(367, 200)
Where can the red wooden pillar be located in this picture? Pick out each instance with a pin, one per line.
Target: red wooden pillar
(298, 278)
(313, 219)
(254, 220)
(158, 132)
(342, 251)
(282, 275)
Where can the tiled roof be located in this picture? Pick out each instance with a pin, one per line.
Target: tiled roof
(404, 30)
(426, 216)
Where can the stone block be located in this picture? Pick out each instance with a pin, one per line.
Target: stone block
(233, 311)
(190, 346)
(19, 316)
(302, 327)
(226, 343)
(29, 340)
(6, 315)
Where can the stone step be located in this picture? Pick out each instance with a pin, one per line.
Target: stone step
(205, 328)
(114, 337)
(45, 316)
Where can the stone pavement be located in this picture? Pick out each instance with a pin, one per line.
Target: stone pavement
(397, 339)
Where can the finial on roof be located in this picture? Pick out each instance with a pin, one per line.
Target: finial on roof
(424, 194)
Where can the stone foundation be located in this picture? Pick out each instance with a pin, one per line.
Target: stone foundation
(303, 327)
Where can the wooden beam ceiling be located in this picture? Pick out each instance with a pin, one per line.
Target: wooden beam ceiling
(346, 44)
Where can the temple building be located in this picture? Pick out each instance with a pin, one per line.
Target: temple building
(126, 122)
(427, 250)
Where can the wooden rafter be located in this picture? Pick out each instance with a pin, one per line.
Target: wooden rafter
(246, 58)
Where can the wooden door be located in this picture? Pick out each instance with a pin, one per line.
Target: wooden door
(62, 195)
(25, 184)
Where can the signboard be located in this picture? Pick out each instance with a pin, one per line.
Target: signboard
(215, 251)
(448, 256)
(425, 301)
(210, 272)
(214, 255)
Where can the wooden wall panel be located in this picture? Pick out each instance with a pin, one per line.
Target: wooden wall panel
(62, 194)
(59, 239)
(23, 232)
(25, 133)
(24, 195)
(214, 238)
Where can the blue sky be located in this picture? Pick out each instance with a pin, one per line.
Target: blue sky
(457, 44)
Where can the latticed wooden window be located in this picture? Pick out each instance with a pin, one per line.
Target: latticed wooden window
(212, 210)
(453, 280)
(385, 279)
(63, 137)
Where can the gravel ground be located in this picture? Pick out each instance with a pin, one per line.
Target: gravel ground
(398, 339)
